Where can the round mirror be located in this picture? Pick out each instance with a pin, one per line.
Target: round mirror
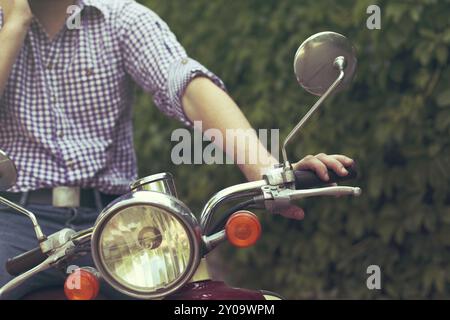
(314, 62)
(8, 172)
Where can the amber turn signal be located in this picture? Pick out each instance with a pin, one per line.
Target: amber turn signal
(81, 285)
(243, 229)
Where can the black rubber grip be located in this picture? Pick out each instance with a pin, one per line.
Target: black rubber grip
(25, 262)
(306, 179)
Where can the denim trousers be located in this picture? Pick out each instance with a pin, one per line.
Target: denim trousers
(17, 236)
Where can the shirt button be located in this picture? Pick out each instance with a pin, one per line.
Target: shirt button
(89, 72)
(49, 66)
(70, 164)
(60, 134)
(184, 61)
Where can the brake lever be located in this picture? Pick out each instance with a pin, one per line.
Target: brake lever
(276, 198)
(52, 260)
(326, 191)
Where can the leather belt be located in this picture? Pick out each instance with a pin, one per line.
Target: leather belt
(62, 197)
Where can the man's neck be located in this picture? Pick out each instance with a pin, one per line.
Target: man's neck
(52, 14)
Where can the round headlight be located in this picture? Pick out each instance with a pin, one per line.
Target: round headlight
(145, 244)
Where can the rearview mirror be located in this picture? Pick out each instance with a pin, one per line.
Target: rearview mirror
(315, 58)
(324, 63)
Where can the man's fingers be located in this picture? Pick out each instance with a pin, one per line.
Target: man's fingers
(334, 163)
(294, 212)
(313, 163)
(322, 162)
(343, 159)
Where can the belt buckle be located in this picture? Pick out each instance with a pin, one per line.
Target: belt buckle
(66, 197)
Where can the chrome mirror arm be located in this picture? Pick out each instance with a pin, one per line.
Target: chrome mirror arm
(37, 229)
(339, 63)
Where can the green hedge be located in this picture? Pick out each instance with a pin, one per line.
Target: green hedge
(395, 120)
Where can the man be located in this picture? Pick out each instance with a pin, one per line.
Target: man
(65, 110)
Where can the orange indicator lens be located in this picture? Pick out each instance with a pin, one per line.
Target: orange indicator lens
(81, 285)
(243, 229)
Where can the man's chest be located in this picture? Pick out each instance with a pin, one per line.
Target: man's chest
(78, 77)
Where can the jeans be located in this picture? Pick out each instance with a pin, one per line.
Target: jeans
(17, 236)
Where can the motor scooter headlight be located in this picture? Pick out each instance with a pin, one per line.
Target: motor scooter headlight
(146, 244)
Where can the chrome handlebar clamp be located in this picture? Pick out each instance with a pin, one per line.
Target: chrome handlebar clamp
(275, 199)
(57, 240)
(280, 175)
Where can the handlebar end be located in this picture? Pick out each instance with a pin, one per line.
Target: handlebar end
(357, 192)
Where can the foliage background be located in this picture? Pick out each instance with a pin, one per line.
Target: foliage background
(395, 121)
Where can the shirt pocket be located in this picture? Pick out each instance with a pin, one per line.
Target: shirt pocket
(91, 80)
(90, 55)
(91, 90)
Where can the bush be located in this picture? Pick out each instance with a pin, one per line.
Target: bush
(395, 120)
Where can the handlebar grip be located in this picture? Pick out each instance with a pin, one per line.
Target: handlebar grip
(25, 261)
(306, 179)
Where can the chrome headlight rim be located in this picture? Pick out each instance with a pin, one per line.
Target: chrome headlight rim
(161, 201)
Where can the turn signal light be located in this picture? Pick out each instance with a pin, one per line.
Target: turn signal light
(81, 285)
(243, 229)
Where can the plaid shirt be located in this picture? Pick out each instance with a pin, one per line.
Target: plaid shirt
(66, 113)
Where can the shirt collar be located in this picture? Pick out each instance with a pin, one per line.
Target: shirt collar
(97, 4)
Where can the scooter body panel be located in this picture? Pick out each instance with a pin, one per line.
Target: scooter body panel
(214, 290)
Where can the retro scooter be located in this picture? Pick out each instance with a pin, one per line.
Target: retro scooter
(147, 244)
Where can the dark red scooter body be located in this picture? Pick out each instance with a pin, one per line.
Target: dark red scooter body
(203, 290)
(214, 290)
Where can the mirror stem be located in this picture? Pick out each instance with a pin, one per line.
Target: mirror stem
(40, 235)
(340, 64)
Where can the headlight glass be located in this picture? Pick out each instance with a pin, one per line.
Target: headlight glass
(145, 248)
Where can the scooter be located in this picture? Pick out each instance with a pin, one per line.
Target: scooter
(147, 244)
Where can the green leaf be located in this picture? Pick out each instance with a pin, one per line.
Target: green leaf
(443, 98)
(442, 54)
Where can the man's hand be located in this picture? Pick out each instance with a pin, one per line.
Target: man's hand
(17, 17)
(320, 165)
(322, 162)
(16, 12)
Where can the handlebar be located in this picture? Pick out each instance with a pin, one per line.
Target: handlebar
(306, 179)
(33, 261)
(25, 261)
